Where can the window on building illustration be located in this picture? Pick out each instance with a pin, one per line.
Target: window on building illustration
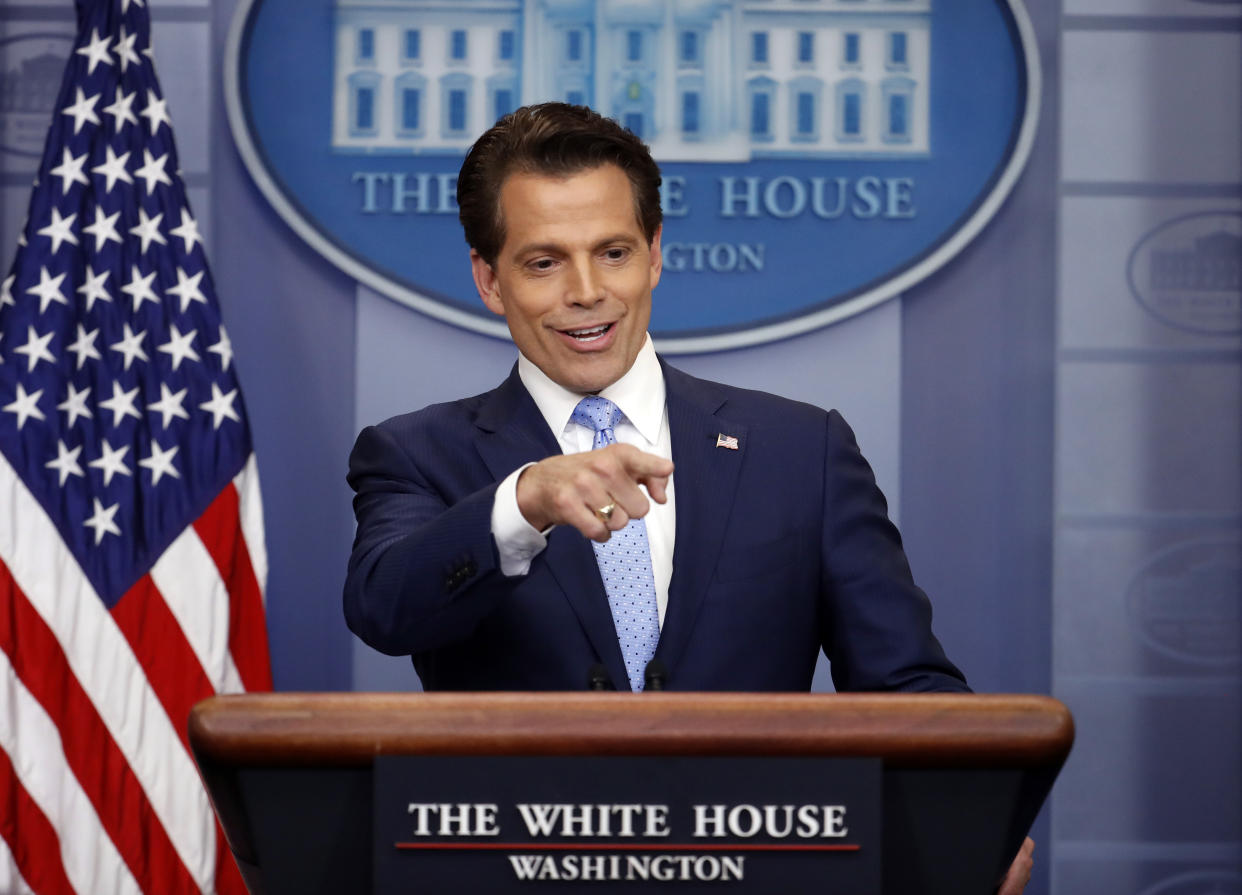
(456, 110)
(575, 98)
(634, 45)
(413, 44)
(366, 45)
(898, 94)
(457, 44)
(411, 109)
(806, 47)
(852, 51)
(634, 123)
(690, 112)
(899, 116)
(760, 114)
(364, 109)
(850, 123)
(805, 110)
(759, 47)
(507, 46)
(897, 49)
(573, 45)
(689, 47)
(502, 102)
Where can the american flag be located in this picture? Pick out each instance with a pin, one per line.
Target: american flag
(131, 547)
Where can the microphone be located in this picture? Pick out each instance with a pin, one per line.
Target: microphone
(655, 675)
(597, 678)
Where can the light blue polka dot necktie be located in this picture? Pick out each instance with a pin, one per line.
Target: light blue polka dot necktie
(624, 560)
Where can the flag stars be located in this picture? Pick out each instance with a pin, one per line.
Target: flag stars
(48, 289)
(121, 404)
(187, 231)
(60, 230)
(111, 462)
(122, 110)
(125, 5)
(66, 462)
(93, 288)
(6, 291)
(221, 406)
(139, 288)
(155, 111)
(178, 346)
(103, 521)
(160, 462)
(95, 52)
(82, 111)
(148, 229)
(84, 347)
(124, 49)
(25, 405)
(224, 348)
(152, 171)
(169, 405)
(70, 170)
(35, 348)
(131, 346)
(187, 289)
(104, 228)
(113, 169)
(75, 405)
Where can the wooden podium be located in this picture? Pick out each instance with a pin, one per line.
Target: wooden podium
(963, 775)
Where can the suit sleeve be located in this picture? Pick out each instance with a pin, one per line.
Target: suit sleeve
(423, 570)
(876, 621)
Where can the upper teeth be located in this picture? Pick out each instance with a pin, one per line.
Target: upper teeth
(588, 332)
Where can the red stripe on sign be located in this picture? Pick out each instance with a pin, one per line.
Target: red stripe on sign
(220, 530)
(619, 846)
(159, 645)
(97, 762)
(37, 850)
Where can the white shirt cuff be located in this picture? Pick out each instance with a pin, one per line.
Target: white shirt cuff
(517, 541)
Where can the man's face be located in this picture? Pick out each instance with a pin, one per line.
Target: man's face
(574, 277)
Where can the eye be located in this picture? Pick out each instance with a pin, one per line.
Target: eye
(541, 265)
(616, 253)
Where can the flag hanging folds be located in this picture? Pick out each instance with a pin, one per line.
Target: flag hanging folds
(131, 545)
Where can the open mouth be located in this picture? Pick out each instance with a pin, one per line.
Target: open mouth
(591, 334)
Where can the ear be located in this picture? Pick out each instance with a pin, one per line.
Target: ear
(657, 257)
(486, 282)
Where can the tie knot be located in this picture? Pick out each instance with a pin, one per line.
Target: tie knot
(596, 413)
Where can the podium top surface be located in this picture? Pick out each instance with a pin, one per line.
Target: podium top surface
(906, 730)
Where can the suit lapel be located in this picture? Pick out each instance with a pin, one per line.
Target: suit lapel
(514, 432)
(705, 482)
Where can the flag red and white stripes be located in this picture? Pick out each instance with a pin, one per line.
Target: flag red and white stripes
(132, 563)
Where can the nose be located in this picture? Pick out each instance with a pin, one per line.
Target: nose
(586, 284)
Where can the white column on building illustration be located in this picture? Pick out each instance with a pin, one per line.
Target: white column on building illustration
(601, 80)
(667, 110)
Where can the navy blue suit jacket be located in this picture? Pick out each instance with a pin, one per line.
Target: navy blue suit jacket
(783, 547)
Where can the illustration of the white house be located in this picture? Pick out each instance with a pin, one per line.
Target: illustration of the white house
(696, 79)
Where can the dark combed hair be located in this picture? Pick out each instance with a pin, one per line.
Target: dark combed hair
(556, 140)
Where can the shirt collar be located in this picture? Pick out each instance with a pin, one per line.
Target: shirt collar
(639, 394)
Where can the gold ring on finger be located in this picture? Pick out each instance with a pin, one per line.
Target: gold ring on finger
(605, 513)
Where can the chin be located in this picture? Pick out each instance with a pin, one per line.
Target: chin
(586, 382)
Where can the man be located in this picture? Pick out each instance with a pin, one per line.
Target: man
(475, 518)
(509, 540)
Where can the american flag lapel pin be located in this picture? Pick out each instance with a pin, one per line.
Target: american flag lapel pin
(726, 441)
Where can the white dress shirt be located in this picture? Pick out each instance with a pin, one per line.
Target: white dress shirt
(640, 395)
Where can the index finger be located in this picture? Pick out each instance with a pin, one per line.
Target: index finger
(647, 469)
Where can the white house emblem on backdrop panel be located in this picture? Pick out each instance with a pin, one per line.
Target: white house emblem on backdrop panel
(819, 155)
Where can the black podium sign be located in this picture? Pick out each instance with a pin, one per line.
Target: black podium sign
(573, 824)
